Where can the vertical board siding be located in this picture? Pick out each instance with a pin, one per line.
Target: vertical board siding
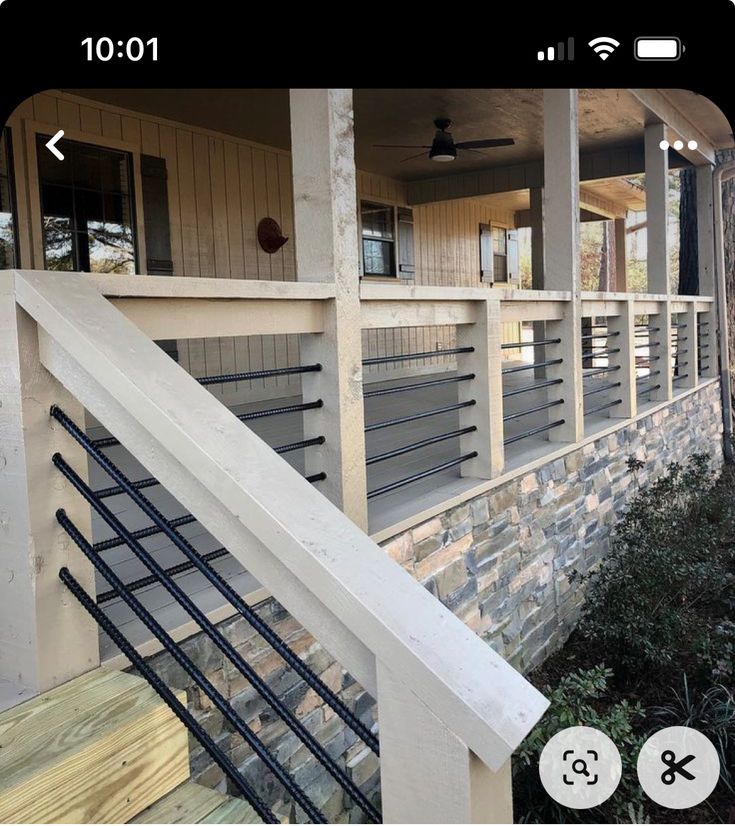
(219, 188)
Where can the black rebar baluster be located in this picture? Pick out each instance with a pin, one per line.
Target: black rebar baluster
(529, 387)
(609, 386)
(589, 336)
(509, 417)
(143, 533)
(542, 342)
(215, 579)
(431, 440)
(174, 570)
(111, 441)
(212, 632)
(418, 386)
(416, 416)
(220, 703)
(595, 354)
(649, 390)
(259, 374)
(598, 371)
(602, 407)
(532, 432)
(168, 697)
(415, 477)
(317, 440)
(410, 356)
(649, 375)
(521, 367)
(116, 490)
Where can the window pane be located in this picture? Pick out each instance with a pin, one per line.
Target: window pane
(58, 243)
(377, 220)
(87, 209)
(500, 268)
(7, 220)
(377, 257)
(110, 248)
(499, 241)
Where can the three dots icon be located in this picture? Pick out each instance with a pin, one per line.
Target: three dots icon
(678, 145)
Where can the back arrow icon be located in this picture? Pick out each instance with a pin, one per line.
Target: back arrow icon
(51, 145)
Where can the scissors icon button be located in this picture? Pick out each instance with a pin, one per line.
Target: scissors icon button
(668, 758)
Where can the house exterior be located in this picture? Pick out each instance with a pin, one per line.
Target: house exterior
(478, 432)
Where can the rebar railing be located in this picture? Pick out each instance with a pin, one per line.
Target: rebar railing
(166, 577)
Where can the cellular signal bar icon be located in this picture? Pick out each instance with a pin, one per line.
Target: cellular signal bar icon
(562, 51)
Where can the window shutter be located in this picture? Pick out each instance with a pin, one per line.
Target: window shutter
(486, 253)
(154, 178)
(406, 255)
(513, 261)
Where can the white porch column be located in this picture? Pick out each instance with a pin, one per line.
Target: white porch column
(657, 191)
(325, 218)
(706, 258)
(536, 197)
(46, 637)
(561, 254)
(659, 278)
(621, 262)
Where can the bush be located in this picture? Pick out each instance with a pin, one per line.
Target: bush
(669, 573)
(581, 698)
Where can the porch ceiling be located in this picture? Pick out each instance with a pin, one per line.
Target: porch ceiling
(608, 118)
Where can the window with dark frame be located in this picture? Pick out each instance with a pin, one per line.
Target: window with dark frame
(500, 254)
(86, 208)
(378, 223)
(8, 230)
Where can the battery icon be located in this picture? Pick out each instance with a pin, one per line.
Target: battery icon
(657, 48)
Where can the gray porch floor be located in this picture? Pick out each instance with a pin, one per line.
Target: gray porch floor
(385, 510)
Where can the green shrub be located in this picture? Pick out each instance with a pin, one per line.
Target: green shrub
(711, 712)
(654, 606)
(581, 698)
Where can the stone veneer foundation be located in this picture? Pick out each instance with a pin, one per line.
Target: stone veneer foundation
(500, 561)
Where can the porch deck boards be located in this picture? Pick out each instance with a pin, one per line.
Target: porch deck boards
(276, 430)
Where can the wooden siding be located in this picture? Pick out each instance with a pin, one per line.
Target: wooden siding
(219, 188)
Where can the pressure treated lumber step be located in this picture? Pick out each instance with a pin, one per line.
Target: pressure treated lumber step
(101, 748)
(192, 803)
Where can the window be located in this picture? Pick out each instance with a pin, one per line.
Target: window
(378, 239)
(8, 234)
(500, 255)
(87, 208)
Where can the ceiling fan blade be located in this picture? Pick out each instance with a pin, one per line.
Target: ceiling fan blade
(401, 146)
(485, 144)
(413, 157)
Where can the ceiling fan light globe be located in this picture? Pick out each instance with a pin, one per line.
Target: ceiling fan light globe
(442, 157)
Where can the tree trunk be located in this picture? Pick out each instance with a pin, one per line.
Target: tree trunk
(688, 262)
(728, 221)
(605, 257)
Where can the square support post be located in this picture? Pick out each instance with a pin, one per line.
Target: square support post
(661, 341)
(46, 637)
(706, 257)
(325, 219)
(427, 774)
(561, 254)
(621, 256)
(624, 325)
(486, 389)
(688, 362)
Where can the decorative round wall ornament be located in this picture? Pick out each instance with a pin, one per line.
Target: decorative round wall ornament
(270, 237)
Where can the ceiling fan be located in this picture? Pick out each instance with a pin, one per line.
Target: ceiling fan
(443, 149)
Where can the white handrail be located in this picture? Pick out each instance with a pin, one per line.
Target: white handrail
(346, 591)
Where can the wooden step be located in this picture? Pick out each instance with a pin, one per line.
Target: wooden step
(99, 749)
(192, 803)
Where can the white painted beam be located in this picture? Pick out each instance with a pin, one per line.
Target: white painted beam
(661, 109)
(325, 220)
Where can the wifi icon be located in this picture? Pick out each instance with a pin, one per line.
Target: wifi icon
(603, 47)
